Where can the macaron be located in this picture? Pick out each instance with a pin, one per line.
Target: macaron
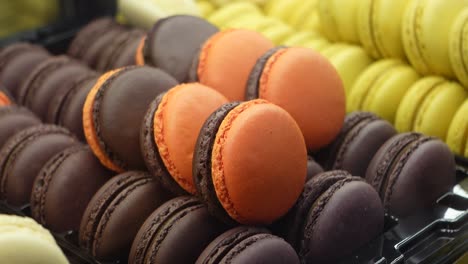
(70, 114)
(64, 186)
(335, 215)
(362, 135)
(13, 119)
(170, 130)
(458, 46)
(226, 60)
(182, 224)
(378, 37)
(120, 52)
(59, 98)
(313, 168)
(381, 87)
(172, 43)
(50, 77)
(339, 19)
(261, 184)
(116, 212)
(429, 106)
(89, 32)
(16, 61)
(457, 137)
(245, 244)
(426, 32)
(36, 243)
(233, 10)
(410, 172)
(305, 84)
(114, 110)
(23, 156)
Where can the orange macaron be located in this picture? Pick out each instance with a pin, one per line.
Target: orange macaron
(250, 162)
(305, 84)
(170, 130)
(226, 59)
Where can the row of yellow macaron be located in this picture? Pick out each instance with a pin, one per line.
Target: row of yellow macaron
(389, 87)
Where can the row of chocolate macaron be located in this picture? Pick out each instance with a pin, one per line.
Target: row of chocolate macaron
(135, 75)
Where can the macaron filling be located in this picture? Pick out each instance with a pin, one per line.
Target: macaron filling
(4, 99)
(89, 123)
(139, 57)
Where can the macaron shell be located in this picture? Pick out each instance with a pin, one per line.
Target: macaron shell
(361, 218)
(227, 54)
(411, 102)
(89, 32)
(181, 113)
(294, 79)
(254, 188)
(457, 138)
(365, 27)
(440, 104)
(426, 171)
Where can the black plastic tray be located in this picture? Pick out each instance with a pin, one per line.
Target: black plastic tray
(437, 235)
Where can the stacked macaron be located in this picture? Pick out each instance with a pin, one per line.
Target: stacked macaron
(203, 146)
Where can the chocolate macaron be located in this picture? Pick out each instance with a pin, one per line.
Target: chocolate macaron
(173, 42)
(116, 212)
(64, 187)
(170, 130)
(23, 156)
(411, 171)
(13, 119)
(246, 244)
(335, 215)
(18, 60)
(226, 59)
(313, 168)
(49, 78)
(305, 84)
(177, 232)
(70, 114)
(114, 110)
(250, 162)
(361, 136)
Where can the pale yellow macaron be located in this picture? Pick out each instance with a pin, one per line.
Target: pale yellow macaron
(339, 19)
(24, 241)
(457, 137)
(233, 11)
(458, 48)
(429, 106)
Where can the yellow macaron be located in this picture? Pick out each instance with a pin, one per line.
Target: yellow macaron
(429, 106)
(457, 137)
(233, 11)
(339, 19)
(381, 87)
(458, 48)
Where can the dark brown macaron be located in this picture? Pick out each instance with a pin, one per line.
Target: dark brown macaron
(173, 42)
(23, 156)
(64, 187)
(245, 244)
(100, 44)
(335, 215)
(46, 78)
(411, 171)
(114, 110)
(18, 60)
(13, 119)
(59, 98)
(116, 212)
(313, 168)
(176, 232)
(361, 136)
(121, 52)
(87, 34)
(71, 111)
